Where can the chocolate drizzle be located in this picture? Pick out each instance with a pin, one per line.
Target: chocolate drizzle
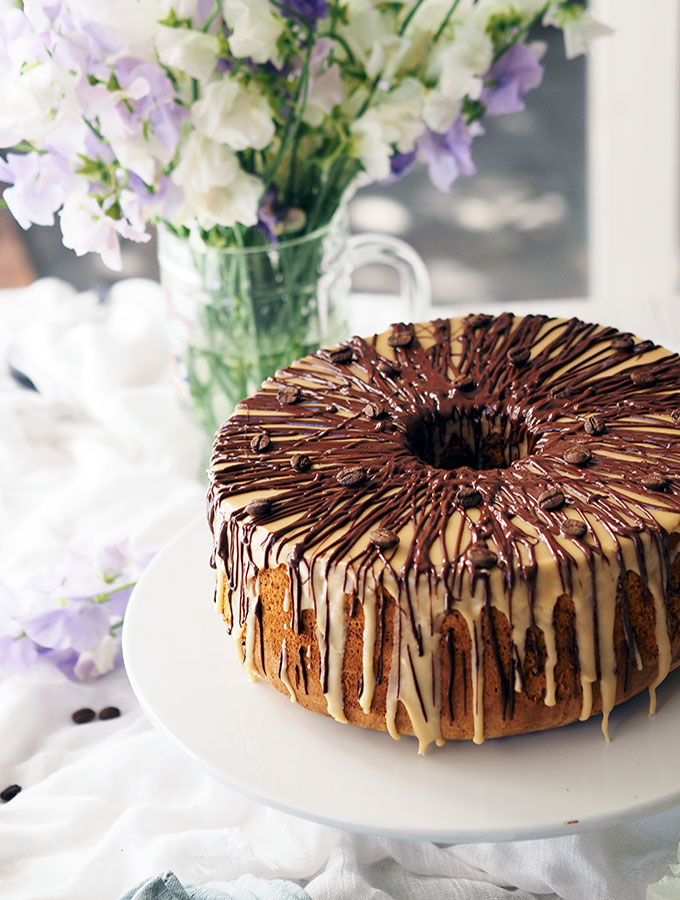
(472, 454)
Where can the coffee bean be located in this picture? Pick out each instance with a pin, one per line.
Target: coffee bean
(331, 408)
(519, 356)
(641, 378)
(9, 793)
(109, 712)
(655, 482)
(478, 321)
(551, 499)
(577, 456)
(481, 557)
(384, 538)
(400, 339)
(373, 410)
(260, 442)
(341, 355)
(259, 509)
(464, 383)
(573, 528)
(622, 342)
(594, 425)
(300, 462)
(387, 369)
(468, 497)
(82, 716)
(644, 347)
(289, 394)
(354, 476)
(675, 416)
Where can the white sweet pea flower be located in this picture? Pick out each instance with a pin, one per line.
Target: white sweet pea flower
(431, 14)
(216, 190)
(97, 661)
(325, 92)
(126, 26)
(183, 9)
(527, 8)
(193, 52)
(26, 104)
(579, 27)
(86, 228)
(394, 123)
(255, 29)
(233, 114)
(462, 66)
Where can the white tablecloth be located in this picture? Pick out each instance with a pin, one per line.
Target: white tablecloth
(104, 451)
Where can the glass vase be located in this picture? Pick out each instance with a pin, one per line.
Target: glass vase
(237, 315)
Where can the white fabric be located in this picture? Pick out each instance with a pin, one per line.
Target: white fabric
(106, 450)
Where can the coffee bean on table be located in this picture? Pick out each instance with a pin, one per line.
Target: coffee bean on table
(84, 715)
(109, 712)
(9, 793)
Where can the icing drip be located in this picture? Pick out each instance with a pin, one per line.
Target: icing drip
(482, 465)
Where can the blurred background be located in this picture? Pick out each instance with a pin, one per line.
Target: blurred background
(516, 231)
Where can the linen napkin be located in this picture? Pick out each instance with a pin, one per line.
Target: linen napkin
(167, 887)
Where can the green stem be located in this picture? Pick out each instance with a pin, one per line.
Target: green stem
(294, 121)
(340, 40)
(445, 22)
(407, 21)
(521, 33)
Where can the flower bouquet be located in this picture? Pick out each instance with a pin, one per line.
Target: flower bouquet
(241, 128)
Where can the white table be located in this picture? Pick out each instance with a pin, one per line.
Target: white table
(104, 449)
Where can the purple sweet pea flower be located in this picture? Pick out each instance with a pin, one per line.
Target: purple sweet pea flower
(310, 10)
(400, 165)
(38, 186)
(79, 625)
(17, 653)
(517, 71)
(449, 155)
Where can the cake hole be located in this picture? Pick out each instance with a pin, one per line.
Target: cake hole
(474, 438)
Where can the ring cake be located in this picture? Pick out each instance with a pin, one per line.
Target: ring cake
(460, 529)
